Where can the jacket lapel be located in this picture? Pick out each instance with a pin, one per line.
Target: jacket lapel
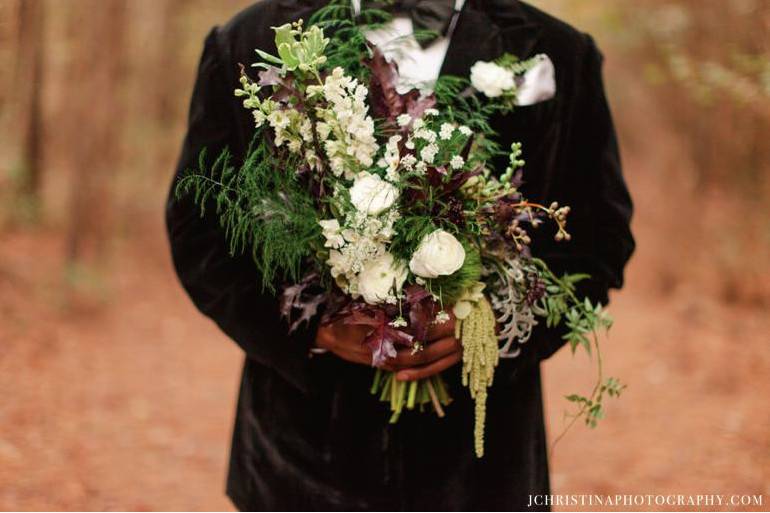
(485, 30)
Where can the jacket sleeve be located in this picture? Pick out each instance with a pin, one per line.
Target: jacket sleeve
(224, 287)
(590, 181)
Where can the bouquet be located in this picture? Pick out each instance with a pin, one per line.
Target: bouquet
(381, 207)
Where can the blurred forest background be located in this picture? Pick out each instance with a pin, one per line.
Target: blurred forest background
(116, 394)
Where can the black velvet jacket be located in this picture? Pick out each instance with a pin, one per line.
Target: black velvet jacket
(308, 436)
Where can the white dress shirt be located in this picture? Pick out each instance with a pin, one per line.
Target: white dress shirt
(418, 67)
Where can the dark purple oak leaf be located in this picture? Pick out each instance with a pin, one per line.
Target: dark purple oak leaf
(383, 338)
(422, 311)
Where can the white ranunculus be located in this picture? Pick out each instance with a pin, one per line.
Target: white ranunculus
(491, 79)
(439, 254)
(538, 84)
(381, 279)
(371, 194)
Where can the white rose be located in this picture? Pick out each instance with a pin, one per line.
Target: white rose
(380, 279)
(439, 254)
(371, 194)
(538, 84)
(491, 79)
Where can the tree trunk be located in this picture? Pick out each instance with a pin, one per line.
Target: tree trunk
(97, 117)
(29, 84)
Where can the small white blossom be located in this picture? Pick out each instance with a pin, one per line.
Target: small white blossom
(431, 112)
(295, 145)
(424, 133)
(403, 120)
(259, 118)
(457, 162)
(441, 317)
(465, 131)
(409, 161)
(428, 154)
(447, 129)
(331, 232)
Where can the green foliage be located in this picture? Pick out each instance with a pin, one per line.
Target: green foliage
(347, 40)
(469, 110)
(410, 230)
(263, 209)
(591, 409)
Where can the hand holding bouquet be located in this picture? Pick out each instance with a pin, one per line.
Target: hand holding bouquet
(381, 210)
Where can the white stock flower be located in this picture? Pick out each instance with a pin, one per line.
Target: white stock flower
(381, 279)
(371, 194)
(491, 79)
(538, 83)
(332, 234)
(439, 254)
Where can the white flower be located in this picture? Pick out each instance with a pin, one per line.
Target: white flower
(539, 83)
(491, 79)
(408, 161)
(447, 129)
(439, 254)
(381, 279)
(431, 112)
(259, 118)
(295, 145)
(323, 130)
(457, 162)
(371, 194)
(424, 133)
(404, 119)
(467, 132)
(331, 232)
(429, 153)
(441, 317)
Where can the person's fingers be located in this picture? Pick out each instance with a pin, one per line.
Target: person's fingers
(441, 330)
(427, 371)
(432, 352)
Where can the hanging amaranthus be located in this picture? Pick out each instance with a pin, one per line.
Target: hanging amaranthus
(480, 357)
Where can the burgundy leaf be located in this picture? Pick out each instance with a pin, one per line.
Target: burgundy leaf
(383, 338)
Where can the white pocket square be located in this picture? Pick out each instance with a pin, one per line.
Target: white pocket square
(538, 84)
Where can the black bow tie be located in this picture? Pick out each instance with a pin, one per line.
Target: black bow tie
(427, 15)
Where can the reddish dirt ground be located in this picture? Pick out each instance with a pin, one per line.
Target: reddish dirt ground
(125, 400)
